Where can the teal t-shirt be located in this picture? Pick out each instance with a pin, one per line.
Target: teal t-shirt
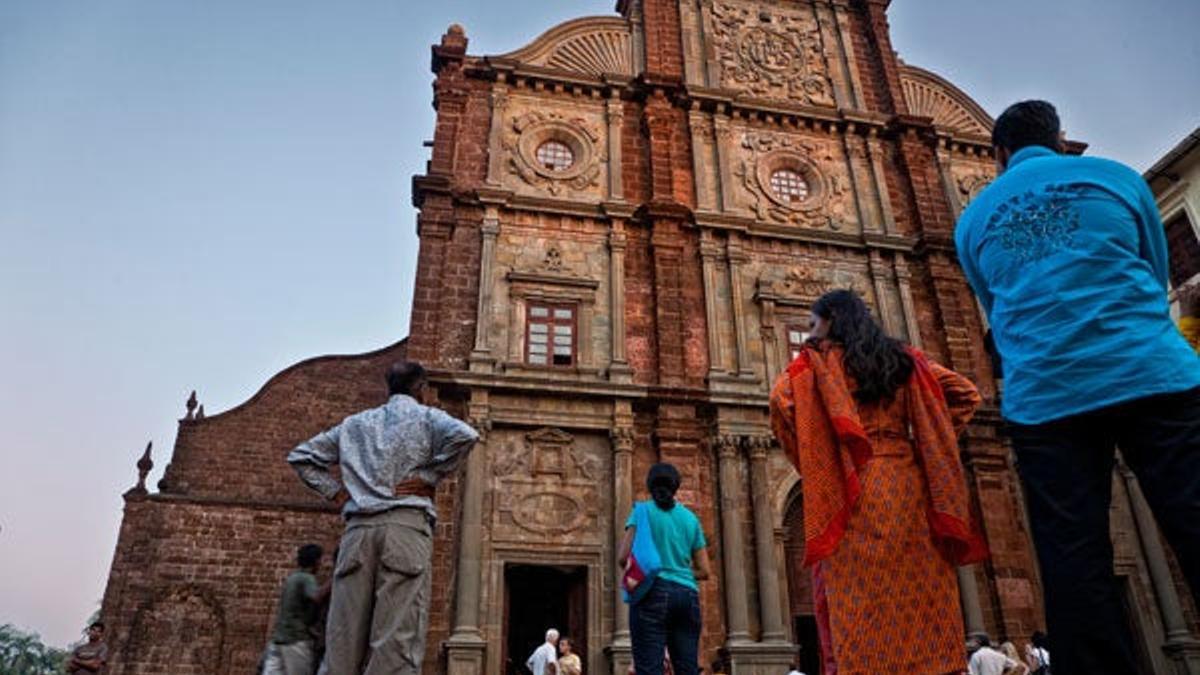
(677, 534)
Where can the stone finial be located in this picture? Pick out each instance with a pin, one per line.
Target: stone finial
(191, 406)
(200, 412)
(144, 465)
(451, 49)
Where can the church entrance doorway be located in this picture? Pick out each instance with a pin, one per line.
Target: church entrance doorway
(537, 598)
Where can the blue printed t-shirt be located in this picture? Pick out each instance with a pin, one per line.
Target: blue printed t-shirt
(677, 535)
(1069, 258)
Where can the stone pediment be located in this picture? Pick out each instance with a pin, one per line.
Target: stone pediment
(930, 95)
(596, 46)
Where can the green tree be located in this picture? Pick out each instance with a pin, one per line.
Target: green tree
(24, 653)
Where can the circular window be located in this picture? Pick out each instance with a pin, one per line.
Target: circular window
(788, 185)
(555, 156)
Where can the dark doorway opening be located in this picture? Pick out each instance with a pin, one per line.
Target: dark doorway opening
(537, 598)
(810, 646)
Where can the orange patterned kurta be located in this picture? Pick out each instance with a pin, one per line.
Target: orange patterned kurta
(887, 594)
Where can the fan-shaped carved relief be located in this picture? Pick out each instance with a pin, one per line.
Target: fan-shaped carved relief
(554, 152)
(771, 53)
(592, 45)
(929, 95)
(793, 179)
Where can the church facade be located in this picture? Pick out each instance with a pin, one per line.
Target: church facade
(623, 225)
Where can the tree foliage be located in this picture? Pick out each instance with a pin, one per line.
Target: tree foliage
(24, 653)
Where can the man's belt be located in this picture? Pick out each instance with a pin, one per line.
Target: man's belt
(415, 487)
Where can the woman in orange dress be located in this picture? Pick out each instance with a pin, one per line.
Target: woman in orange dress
(872, 428)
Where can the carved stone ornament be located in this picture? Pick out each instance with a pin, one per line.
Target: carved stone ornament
(529, 131)
(803, 285)
(826, 189)
(771, 53)
(970, 185)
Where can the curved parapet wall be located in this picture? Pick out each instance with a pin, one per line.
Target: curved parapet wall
(238, 455)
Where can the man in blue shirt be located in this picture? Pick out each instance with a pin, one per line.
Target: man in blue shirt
(1069, 259)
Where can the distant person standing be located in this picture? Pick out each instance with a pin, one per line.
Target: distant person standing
(668, 616)
(1068, 257)
(292, 650)
(985, 660)
(569, 663)
(1037, 654)
(391, 460)
(91, 656)
(544, 659)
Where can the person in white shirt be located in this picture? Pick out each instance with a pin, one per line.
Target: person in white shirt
(984, 659)
(795, 669)
(544, 660)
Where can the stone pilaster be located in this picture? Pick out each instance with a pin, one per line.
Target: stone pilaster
(732, 543)
(496, 154)
(618, 367)
(737, 258)
(466, 648)
(620, 652)
(904, 283)
(710, 254)
(1180, 646)
(773, 628)
(615, 113)
(875, 155)
(481, 356)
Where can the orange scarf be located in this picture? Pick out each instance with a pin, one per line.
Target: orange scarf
(830, 447)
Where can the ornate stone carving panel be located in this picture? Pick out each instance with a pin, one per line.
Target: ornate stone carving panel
(578, 170)
(770, 52)
(969, 179)
(824, 198)
(802, 284)
(550, 487)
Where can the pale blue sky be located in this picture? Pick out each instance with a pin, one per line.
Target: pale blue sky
(196, 195)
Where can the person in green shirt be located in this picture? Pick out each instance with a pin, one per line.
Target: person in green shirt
(668, 615)
(291, 650)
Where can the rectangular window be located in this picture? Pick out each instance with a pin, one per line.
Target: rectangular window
(796, 338)
(550, 335)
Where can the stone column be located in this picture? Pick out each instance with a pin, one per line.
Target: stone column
(622, 444)
(1179, 646)
(710, 252)
(737, 258)
(618, 367)
(773, 629)
(466, 647)
(481, 356)
(968, 600)
(732, 544)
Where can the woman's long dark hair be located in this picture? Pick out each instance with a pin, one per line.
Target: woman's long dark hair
(878, 363)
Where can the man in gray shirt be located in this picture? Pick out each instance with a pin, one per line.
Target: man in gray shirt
(391, 459)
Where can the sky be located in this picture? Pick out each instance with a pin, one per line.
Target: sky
(195, 195)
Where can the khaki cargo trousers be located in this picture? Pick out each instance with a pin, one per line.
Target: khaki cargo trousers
(379, 612)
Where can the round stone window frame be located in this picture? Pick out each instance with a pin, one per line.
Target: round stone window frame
(788, 160)
(553, 130)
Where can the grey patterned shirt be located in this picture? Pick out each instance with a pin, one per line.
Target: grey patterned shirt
(380, 447)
